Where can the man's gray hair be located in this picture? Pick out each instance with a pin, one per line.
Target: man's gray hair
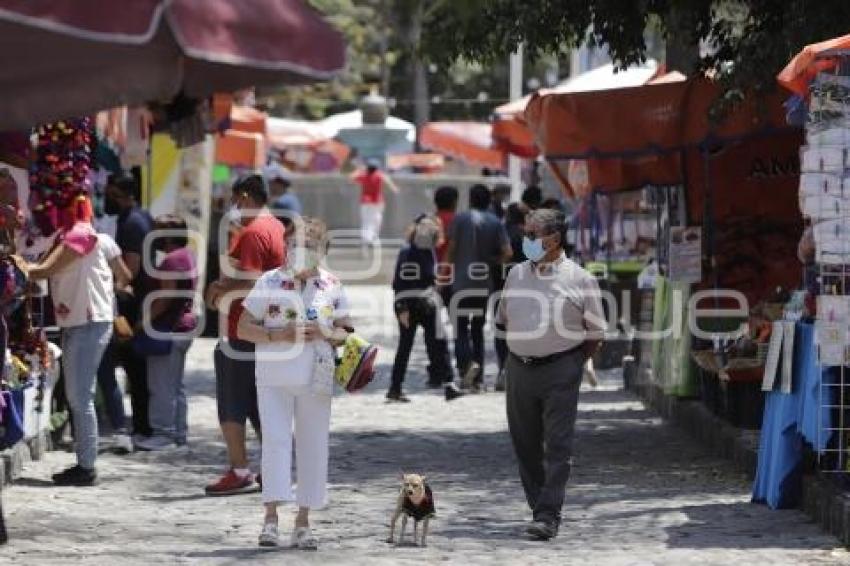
(552, 221)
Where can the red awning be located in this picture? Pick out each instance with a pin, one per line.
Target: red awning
(471, 142)
(809, 62)
(69, 58)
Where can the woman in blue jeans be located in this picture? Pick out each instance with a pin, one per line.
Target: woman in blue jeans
(82, 269)
(171, 313)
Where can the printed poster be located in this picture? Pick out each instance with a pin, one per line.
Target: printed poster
(685, 254)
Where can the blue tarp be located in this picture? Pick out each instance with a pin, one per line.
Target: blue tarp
(789, 419)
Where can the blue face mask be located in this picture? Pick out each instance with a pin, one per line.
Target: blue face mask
(533, 249)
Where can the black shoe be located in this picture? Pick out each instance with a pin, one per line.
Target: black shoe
(542, 530)
(4, 537)
(453, 392)
(501, 380)
(76, 476)
(397, 397)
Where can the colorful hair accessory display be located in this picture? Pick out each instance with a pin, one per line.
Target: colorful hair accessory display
(59, 174)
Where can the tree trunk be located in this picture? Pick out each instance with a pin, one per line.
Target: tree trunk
(681, 47)
(384, 47)
(421, 101)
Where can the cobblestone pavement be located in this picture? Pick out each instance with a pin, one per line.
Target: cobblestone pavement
(641, 493)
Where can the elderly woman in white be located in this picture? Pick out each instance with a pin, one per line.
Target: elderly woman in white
(295, 315)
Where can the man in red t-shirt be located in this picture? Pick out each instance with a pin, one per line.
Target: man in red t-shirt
(445, 201)
(258, 246)
(372, 181)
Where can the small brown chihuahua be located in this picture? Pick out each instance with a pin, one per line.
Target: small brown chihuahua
(415, 500)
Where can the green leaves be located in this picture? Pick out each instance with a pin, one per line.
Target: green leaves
(745, 42)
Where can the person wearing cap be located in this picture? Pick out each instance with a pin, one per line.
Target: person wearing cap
(258, 246)
(279, 180)
(551, 314)
(372, 181)
(296, 314)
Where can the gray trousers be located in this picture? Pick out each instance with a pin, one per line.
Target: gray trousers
(542, 403)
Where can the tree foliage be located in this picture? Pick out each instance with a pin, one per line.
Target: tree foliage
(457, 89)
(746, 42)
(363, 24)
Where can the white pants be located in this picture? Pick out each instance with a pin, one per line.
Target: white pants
(371, 218)
(311, 414)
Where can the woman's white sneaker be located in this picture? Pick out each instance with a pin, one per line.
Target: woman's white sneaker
(269, 535)
(303, 539)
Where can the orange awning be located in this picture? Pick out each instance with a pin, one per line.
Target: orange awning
(671, 77)
(471, 142)
(809, 62)
(240, 149)
(248, 119)
(513, 136)
(423, 162)
(514, 107)
(626, 138)
(511, 133)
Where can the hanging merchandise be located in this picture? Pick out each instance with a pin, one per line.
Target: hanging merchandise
(11, 418)
(10, 217)
(187, 119)
(137, 147)
(825, 200)
(59, 176)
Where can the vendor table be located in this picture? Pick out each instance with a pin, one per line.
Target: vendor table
(620, 279)
(790, 419)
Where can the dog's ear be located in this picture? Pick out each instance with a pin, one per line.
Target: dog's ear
(401, 475)
(424, 478)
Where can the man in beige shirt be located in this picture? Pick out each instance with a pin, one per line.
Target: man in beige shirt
(551, 314)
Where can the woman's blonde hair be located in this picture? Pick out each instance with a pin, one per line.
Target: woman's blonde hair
(311, 229)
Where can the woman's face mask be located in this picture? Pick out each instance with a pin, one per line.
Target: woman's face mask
(233, 215)
(110, 205)
(301, 258)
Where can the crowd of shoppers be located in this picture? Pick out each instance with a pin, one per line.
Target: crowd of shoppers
(100, 286)
(459, 262)
(130, 302)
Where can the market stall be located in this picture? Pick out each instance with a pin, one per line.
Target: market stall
(42, 200)
(810, 405)
(660, 137)
(164, 58)
(305, 146)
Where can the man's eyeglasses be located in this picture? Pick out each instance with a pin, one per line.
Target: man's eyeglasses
(536, 236)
